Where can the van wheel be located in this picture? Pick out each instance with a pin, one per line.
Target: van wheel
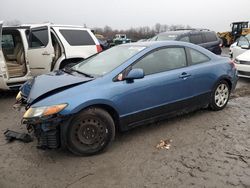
(90, 132)
(220, 96)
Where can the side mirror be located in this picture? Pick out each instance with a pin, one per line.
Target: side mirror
(134, 74)
(245, 46)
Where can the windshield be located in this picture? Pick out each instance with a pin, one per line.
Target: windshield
(108, 60)
(165, 37)
(248, 37)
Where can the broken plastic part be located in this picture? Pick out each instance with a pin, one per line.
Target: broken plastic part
(12, 135)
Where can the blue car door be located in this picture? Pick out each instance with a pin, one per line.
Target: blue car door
(202, 77)
(160, 92)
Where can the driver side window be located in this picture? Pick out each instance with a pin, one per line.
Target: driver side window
(162, 60)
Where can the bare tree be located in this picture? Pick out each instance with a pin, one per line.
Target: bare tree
(157, 27)
(144, 32)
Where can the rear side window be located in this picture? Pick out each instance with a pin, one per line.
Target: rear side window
(77, 37)
(39, 38)
(184, 39)
(196, 38)
(163, 37)
(197, 57)
(162, 60)
(210, 37)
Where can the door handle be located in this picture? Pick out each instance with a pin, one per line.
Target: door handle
(184, 75)
(45, 53)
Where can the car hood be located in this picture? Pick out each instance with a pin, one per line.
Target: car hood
(48, 84)
(244, 56)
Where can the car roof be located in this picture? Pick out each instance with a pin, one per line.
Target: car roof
(159, 43)
(27, 26)
(184, 31)
(177, 32)
(52, 25)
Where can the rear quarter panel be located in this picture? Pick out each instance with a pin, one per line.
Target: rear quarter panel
(82, 51)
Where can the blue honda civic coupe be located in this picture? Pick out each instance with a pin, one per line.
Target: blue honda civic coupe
(81, 108)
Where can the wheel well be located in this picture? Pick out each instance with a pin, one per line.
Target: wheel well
(112, 112)
(228, 82)
(68, 61)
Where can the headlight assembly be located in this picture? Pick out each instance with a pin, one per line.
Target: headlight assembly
(44, 111)
(19, 96)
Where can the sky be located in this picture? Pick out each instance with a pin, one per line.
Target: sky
(123, 14)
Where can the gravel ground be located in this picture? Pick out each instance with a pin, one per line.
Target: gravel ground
(208, 149)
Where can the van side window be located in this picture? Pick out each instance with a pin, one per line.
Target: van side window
(162, 60)
(196, 38)
(185, 39)
(77, 37)
(197, 57)
(39, 38)
(7, 41)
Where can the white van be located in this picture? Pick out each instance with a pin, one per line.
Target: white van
(31, 50)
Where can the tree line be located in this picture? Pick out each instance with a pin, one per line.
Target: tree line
(144, 32)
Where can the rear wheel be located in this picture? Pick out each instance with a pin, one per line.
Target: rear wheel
(90, 132)
(220, 96)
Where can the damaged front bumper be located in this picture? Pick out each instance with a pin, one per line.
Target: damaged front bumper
(46, 130)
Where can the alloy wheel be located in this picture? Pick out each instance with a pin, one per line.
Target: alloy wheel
(221, 95)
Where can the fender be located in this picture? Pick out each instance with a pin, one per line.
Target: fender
(96, 102)
(224, 77)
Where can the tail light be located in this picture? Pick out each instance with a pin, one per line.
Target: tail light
(232, 62)
(99, 48)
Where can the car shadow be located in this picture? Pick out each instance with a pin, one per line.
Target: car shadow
(131, 135)
(8, 94)
(159, 124)
(244, 80)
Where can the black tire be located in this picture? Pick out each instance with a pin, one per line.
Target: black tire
(89, 132)
(220, 96)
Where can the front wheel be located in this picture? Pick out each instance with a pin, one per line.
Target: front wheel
(89, 132)
(220, 96)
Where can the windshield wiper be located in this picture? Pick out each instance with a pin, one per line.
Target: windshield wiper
(83, 73)
(67, 70)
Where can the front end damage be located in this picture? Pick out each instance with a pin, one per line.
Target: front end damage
(46, 121)
(46, 130)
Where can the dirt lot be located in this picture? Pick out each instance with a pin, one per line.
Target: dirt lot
(208, 149)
